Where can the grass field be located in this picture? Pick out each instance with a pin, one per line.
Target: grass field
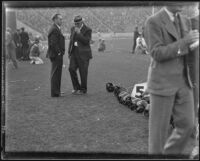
(95, 122)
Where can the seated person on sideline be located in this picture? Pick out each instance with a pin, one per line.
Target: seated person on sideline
(102, 45)
(35, 53)
(141, 47)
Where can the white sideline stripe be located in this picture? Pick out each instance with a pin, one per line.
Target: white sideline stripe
(17, 81)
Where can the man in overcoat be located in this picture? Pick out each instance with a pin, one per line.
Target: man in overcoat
(79, 52)
(55, 52)
(168, 36)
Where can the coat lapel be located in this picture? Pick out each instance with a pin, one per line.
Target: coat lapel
(58, 29)
(184, 27)
(169, 24)
(83, 29)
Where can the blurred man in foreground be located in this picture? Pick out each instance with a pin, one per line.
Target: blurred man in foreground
(168, 36)
(11, 48)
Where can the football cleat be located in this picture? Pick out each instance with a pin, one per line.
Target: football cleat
(140, 109)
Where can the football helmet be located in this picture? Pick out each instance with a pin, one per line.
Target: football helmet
(141, 106)
(109, 87)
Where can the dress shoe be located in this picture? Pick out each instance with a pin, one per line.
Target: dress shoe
(55, 95)
(75, 91)
(58, 95)
(62, 93)
(81, 92)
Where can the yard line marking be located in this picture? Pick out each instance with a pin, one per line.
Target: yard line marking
(17, 81)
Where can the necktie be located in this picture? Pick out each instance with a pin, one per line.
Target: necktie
(177, 25)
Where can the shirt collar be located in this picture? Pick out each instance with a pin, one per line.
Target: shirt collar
(57, 26)
(170, 14)
(81, 26)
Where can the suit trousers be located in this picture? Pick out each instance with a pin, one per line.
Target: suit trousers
(82, 65)
(56, 72)
(180, 106)
(18, 52)
(25, 51)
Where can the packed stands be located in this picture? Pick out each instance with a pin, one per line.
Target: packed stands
(103, 19)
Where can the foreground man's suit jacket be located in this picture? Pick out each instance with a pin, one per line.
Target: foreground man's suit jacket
(168, 53)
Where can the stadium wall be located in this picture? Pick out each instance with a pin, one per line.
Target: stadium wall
(11, 19)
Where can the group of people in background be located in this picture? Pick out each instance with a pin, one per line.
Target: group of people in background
(19, 47)
(22, 43)
(139, 44)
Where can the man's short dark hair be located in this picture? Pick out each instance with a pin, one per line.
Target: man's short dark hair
(55, 16)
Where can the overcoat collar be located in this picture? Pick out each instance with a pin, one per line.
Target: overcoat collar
(57, 27)
(170, 26)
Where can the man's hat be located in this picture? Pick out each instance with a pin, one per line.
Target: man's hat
(78, 19)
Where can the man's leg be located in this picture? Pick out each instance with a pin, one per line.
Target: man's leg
(72, 70)
(27, 51)
(23, 52)
(159, 119)
(134, 45)
(13, 58)
(183, 114)
(56, 72)
(83, 70)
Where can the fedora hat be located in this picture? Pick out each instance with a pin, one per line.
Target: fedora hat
(78, 19)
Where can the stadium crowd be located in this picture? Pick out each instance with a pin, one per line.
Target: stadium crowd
(118, 20)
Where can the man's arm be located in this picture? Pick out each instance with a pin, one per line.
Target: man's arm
(70, 45)
(85, 39)
(53, 41)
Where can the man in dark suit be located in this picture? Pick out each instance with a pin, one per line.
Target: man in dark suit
(55, 52)
(168, 36)
(25, 44)
(79, 54)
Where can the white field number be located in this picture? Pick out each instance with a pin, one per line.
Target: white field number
(138, 89)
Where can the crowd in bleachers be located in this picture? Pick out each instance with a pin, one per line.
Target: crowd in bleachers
(99, 19)
(102, 19)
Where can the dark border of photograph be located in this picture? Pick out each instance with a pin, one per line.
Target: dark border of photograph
(69, 155)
